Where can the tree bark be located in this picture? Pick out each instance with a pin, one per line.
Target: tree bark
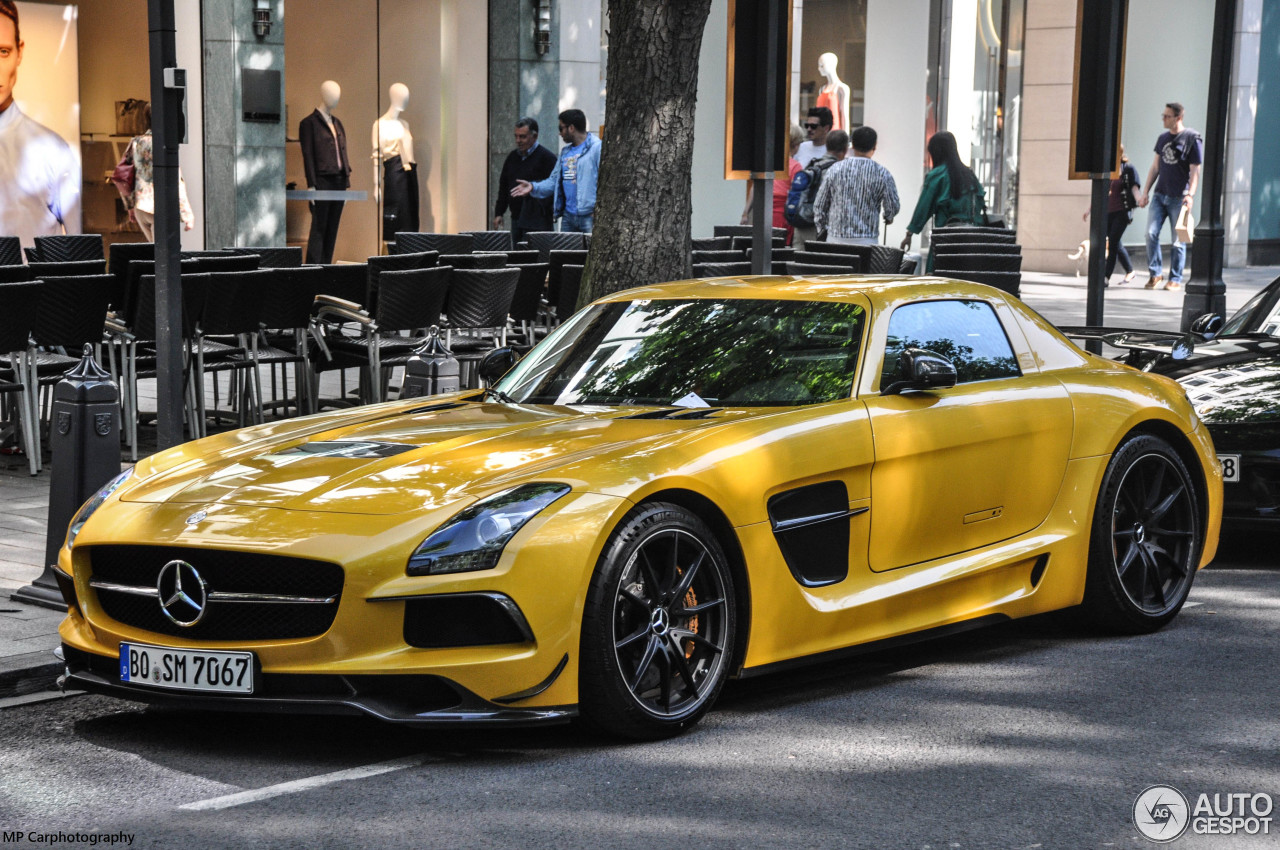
(644, 196)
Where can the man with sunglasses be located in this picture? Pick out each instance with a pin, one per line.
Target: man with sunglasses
(816, 126)
(1171, 186)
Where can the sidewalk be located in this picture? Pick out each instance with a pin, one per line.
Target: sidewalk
(28, 634)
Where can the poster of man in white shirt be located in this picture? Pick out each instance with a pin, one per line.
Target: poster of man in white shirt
(39, 171)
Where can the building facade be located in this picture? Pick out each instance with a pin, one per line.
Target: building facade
(996, 73)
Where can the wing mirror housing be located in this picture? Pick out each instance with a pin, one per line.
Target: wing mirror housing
(496, 364)
(1208, 326)
(920, 370)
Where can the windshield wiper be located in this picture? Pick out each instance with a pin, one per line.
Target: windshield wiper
(498, 394)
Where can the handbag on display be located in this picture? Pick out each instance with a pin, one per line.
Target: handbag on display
(125, 175)
(130, 120)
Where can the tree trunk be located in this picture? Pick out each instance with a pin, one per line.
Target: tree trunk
(643, 200)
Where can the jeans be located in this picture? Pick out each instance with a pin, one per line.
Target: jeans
(1116, 224)
(573, 223)
(1160, 208)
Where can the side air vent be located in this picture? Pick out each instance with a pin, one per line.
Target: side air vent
(811, 525)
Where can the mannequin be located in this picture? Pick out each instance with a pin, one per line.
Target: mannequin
(324, 158)
(835, 94)
(397, 184)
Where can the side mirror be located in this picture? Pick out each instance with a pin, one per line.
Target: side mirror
(1208, 326)
(921, 370)
(496, 364)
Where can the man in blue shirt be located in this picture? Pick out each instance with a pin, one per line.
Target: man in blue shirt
(573, 182)
(1174, 174)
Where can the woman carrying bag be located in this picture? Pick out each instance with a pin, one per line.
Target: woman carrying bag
(951, 193)
(141, 201)
(1124, 196)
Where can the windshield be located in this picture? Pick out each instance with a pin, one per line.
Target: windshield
(695, 353)
(1253, 318)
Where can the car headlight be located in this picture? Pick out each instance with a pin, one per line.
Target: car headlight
(87, 509)
(474, 538)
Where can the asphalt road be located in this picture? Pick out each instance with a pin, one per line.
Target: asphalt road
(1024, 735)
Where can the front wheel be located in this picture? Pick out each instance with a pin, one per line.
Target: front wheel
(659, 624)
(1146, 539)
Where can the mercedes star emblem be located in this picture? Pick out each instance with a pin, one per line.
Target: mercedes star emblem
(184, 597)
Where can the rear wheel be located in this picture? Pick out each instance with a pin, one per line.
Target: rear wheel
(658, 629)
(1146, 539)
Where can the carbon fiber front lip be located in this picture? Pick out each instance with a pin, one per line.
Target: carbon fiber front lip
(471, 709)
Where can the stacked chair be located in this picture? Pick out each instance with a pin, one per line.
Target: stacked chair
(18, 381)
(10, 251)
(980, 254)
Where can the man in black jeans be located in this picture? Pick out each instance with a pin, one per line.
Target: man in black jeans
(532, 162)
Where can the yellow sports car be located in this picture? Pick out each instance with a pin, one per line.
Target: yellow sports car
(681, 484)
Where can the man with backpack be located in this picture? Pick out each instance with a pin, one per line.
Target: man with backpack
(806, 184)
(854, 194)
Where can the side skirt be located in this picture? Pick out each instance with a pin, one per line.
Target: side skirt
(874, 646)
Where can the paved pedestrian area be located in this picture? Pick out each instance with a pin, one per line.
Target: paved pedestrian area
(28, 634)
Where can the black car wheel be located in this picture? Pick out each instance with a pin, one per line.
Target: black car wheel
(658, 628)
(1146, 539)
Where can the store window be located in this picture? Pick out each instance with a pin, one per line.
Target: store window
(834, 30)
(978, 93)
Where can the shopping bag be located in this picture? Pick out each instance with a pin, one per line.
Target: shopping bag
(1185, 229)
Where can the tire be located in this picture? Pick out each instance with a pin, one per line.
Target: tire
(1146, 539)
(659, 625)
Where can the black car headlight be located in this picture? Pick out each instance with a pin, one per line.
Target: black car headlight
(474, 539)
(87, 509)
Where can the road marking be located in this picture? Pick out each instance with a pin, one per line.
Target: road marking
(298, 785)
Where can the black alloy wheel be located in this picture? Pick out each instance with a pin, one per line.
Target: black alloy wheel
(1146, 539)
(659, 624)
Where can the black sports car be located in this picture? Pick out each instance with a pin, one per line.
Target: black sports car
(1231, 373)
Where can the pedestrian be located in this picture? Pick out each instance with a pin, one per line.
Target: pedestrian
(856, 194)
(781, 186)
(1121, 200)
(816, 126)
(806, 185)
(1174, 175)
(951, 193)
(531, 162)
(141, 203)
(572, 183)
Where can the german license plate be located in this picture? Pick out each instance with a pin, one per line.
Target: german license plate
(186, 669)
(1230, 467)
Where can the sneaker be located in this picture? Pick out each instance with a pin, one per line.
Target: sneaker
(1154, 281)
(1129, 277)
(1173, 286)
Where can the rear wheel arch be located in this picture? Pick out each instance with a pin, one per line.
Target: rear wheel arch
(710, 513)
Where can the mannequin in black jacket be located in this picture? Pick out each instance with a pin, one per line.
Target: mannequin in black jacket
(324, 159)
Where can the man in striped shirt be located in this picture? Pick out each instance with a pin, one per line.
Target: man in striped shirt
(853, 194)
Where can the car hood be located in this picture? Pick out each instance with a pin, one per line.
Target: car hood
(411, 458)
(1233, 381)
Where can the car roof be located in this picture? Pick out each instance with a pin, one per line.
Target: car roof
(881, 290)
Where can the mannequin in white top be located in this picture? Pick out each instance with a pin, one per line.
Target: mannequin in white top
(391, 137)
(835, 94)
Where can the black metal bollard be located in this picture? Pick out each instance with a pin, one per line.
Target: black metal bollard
(85, 438)
(431, 370)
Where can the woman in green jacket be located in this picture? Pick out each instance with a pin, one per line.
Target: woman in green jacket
(951, 193)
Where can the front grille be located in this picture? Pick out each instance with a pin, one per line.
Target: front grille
(223, 572)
